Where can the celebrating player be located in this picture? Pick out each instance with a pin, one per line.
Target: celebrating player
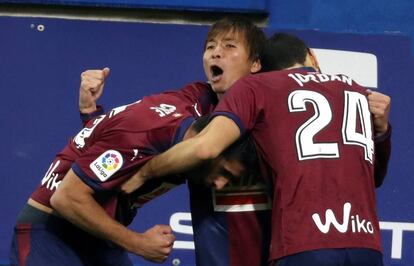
(79, 212)
(231, 51)
(314, 133)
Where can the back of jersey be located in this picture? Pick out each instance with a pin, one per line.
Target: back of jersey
(315, 132)
(323, 160)
(112, 147)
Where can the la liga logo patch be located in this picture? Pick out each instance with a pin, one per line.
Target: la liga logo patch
(110, 161)
(107, 164)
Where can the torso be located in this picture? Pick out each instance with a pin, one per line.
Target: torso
(112, 147)
(322, 164)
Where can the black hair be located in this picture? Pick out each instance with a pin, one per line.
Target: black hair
(200, 123)
(253, 35)
(244, 151)
(282, 51)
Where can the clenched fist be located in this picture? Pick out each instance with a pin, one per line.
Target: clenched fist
(379, 106)
(91, 88)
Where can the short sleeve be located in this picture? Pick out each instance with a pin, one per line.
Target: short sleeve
(86, 117)
(243, 103)
(108, 161)
(202, 95)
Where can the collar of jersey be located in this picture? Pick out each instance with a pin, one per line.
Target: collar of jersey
(308, 69)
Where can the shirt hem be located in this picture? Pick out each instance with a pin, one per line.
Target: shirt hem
(279, 255)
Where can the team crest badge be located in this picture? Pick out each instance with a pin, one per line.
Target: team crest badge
(107, 164)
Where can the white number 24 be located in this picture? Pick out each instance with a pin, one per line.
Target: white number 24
(355, 105)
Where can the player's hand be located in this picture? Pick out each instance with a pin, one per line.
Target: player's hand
(91, 88)
(136, 181)
(156, 243)
(379, 106)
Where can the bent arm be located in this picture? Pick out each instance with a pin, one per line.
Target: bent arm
(382, 156)
(220, 133)
(380, 105)
(74, 201)
(90, 90)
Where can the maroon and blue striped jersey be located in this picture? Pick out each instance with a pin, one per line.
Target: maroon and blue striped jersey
(231, 226)
(225, 223)
(113, 146)
(314, 132)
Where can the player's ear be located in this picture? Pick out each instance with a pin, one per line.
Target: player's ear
(220, 182)
(256, 66)
(314, 60)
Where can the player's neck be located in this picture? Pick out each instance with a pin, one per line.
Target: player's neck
(296, 66)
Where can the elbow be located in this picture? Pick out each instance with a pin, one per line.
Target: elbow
(58, 200)
(205, 151)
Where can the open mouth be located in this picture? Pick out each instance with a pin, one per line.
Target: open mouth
(216, 72)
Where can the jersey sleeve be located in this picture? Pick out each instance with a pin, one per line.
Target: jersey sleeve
(114, 146)
(86, 117)
(109, 161)
(243, 104)
(202, 95)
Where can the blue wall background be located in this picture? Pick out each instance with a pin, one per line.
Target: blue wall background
(39, 81)
(351, 16)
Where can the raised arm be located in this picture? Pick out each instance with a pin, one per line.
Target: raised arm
(220, 133)
(74, 201)
(90, 90)
(379, 105)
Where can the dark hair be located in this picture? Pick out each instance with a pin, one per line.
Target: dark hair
(244, 151)
(200, 123)
(282, 51)
(253, 35)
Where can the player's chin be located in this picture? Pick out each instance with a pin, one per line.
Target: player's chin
(218, 88)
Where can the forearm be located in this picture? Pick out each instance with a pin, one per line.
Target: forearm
(208, 144)
(90, 217)
(76, 204)
(180, 158)
(382, 156)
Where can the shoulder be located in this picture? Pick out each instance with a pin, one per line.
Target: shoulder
(199, 94)
(251, 84)
(193, 90)
(198, 89)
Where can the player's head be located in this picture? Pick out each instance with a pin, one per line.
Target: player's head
(282, 51)
(238, 160)
(231, 51)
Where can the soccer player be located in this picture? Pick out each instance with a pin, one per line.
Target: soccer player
(314, 133)
(232, 226)
(78, 214)
(219, 218)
